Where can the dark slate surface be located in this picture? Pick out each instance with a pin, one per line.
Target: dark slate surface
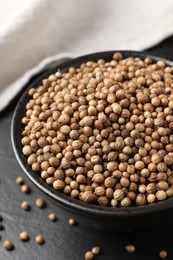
(62, 241)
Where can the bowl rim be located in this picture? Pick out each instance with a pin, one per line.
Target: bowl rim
(60, 197)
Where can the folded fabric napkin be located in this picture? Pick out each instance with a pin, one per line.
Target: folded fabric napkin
(36, 32)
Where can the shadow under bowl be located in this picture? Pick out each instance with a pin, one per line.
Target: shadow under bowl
(89, 215)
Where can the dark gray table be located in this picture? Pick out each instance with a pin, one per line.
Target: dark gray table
(62, 241)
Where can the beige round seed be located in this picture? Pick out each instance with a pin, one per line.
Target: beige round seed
(116, 108)
(156, 158)
(39, 239)
(130, 248)
(98, 178)
(117, 56)
(161, 195)
(114, 203)
(40, 202)
(151, 198)
(140, 199)
(99, 191)
(25, 205)
(52, 217)
(89, 255)
(163, 254)
(58, 185)
(27, 150)
(96, 250)
(118, 194)
(112, 166)
(126, 202)
(23, 236)
(162, 185)
(19, 180)
(25, 188)
(87, 196)
(7, 244)
(86, 121)
(72, 221)
(169, 192)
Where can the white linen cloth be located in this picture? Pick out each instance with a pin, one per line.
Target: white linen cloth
(35, 32)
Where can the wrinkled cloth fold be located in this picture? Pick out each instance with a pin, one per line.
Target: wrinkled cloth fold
(36, 32)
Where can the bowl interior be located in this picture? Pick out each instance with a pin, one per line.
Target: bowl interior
(16, 129)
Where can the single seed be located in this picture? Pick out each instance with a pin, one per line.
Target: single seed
(89, 255)
(118, 194)
(7, 244)
(58, 185)
(161, 195)
(52, 217)
(151, 198)
(96, 250)
(163, 254)
(25, 205)
(19, 180)
(130, 248)
(23, 236)
(72, 221)
(25, 188)
(39, 239)
(40, 202)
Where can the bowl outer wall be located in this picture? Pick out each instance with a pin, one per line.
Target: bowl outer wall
(121, 219)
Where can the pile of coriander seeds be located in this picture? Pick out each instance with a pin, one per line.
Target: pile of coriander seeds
(103, 132)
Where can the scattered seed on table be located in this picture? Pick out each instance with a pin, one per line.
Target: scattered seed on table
(7, 244)
(39, 239)
(96, 250)
(25, 205)
(163, 254)
(40, 202)
(19, 180)
(1, 226)
(23, 236)
(52, 217)
(89, 255)
(25, 188)
(72, 221)
(130, 248)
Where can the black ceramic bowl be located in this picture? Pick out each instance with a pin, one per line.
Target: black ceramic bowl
(95, 216)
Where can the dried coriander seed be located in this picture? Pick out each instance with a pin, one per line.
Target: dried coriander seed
(130, 248)
(72, 221)
(39, 239)
(96, 250)
(52, 217)
(19, 180)
(25, 188)
(163, 254)
(89, 255)
(25, 205)
(23, 236)
(161, 195)
(7, 244)
(58, 185)
(40, 202)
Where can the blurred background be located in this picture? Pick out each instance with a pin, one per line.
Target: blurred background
(36, 32)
